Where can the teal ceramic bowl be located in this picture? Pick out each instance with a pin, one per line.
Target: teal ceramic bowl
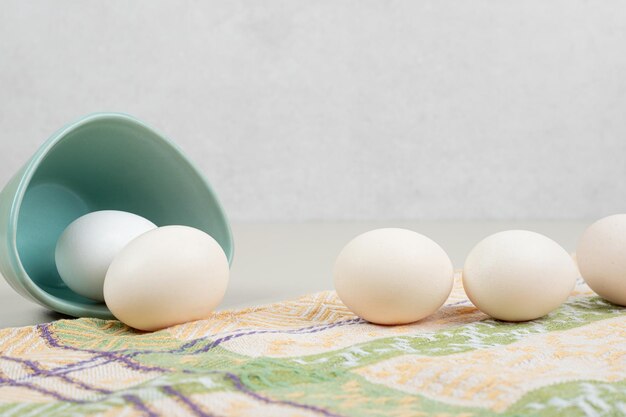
(105, 161)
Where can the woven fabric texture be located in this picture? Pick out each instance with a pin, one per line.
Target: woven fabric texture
(312, 357)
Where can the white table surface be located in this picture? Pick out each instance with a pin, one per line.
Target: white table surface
(280, 261)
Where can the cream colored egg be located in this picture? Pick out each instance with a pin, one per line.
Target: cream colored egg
(167, 276)
(601, 257)
(518, 275)
(393, 276)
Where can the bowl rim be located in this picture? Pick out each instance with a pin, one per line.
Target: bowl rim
(34, 291)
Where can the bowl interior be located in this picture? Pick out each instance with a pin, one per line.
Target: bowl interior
(109, 163)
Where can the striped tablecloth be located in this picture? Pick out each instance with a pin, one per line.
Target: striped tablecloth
(312, 357)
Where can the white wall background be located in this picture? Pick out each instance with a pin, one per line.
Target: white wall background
(300, 110)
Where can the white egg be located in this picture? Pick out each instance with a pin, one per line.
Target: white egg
(88, 245)
(393, 276)
(601, 257)
(517, 275)
(168, 276)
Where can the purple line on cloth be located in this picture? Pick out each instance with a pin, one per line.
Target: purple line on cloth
(457, 303)
(112, 356)
(303, 330)
(136, 401)
(72, 367)
(55, 395)
(187, 401)
(39, 371)
(239, 385)
(47, 335)
(306, 330)
(119, 355)
(79, 366)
